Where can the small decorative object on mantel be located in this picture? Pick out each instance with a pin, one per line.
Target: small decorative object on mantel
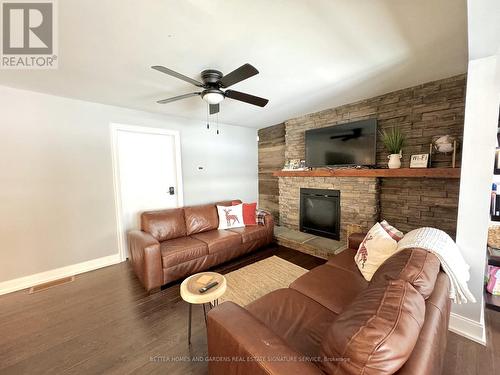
(295, 165)
(445, 144)
(393, 141)
(419, 161)
(496, 169)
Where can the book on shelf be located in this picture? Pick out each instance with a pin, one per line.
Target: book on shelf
(493, 252)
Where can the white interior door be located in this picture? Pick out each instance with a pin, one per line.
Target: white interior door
(147, 170)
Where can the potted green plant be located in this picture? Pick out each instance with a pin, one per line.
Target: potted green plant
(393, 141)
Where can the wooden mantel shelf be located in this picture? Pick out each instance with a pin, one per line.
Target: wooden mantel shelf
(348, 172)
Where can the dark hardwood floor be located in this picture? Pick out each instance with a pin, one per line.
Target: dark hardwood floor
(104, 322)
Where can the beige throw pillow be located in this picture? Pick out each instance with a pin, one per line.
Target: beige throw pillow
(376, 247)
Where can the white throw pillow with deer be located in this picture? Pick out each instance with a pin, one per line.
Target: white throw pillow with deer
(230, 216)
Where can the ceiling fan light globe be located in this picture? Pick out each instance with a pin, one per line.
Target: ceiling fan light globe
(213, 97)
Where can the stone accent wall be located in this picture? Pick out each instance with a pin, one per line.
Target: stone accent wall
(421, 112)
(411, 203)
(424, 111)
(359, 200)
(271, 158)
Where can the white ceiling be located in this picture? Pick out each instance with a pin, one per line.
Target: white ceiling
(311, 55)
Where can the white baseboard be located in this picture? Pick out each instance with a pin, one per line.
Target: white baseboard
(468, 328)
(58, 273)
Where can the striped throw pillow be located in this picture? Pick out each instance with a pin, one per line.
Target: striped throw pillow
(395, 234)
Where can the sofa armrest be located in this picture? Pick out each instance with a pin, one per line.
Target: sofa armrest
(238, 343)
(146, 259)
(269, 224)
(355, 240)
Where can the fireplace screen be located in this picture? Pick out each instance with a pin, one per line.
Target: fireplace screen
(320, 212)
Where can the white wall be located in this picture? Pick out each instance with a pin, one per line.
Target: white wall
(56, 183)
(480, 129)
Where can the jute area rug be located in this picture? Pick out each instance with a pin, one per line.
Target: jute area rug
(255, 280)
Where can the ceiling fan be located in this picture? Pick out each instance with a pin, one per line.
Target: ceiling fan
(213, 82)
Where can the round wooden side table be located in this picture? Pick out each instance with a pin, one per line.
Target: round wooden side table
(190, 293)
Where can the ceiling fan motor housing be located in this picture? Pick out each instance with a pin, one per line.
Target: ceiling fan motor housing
(211, 77)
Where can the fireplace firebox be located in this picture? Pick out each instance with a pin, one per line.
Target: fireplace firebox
(320, 212)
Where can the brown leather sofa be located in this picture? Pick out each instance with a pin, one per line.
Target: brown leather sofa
(178, 242)
(331, 320)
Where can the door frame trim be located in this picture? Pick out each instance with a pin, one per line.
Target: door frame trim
(114, 129)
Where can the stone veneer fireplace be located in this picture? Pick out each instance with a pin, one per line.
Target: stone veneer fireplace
(320, 212)
(358, 204)
(421, 112)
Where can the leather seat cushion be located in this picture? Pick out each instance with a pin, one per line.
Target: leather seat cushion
(377, 331)
(299, 320)
(332, 287)
(252, 233)
(165, 224)
(219, 240)
(180, 250)
(417, 266)
(201, 218)
(345, 261)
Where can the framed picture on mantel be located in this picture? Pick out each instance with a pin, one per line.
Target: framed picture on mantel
(496, 169)
(419, 161)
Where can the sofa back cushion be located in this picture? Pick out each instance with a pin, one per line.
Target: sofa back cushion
(417, 266)
(376, 332)
(201, 218)
(228, 203)
(165, 224)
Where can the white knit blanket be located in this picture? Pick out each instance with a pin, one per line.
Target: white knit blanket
(440, 244)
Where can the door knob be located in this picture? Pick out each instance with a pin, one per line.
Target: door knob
(171, 190)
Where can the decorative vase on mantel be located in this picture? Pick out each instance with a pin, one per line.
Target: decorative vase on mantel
(394, 161)
(394, 141)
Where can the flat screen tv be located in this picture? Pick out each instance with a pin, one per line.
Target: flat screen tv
(351, 144)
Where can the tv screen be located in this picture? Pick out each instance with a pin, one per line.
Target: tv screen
(348, 144)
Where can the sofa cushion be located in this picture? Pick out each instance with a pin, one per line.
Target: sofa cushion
(228, 203)
(201, 218)
(165, 224)
(218, 240)
(180, 250)
(332, 287)
(377, 332)
(345, 260)
(299, 320)
(249, 234)
(417, 266)
(428, 355)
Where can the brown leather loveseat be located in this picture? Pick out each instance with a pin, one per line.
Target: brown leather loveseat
(331, 320)
(178, 242)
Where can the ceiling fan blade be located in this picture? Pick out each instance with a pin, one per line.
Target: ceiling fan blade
(163, 101)
(247, 98)
(214, 108)
(172, 73)
(238, 75)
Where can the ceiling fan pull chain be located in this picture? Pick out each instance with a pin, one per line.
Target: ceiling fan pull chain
(217, 123)
(208, 123)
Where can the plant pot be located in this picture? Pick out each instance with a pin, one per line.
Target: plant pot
(394, 161)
